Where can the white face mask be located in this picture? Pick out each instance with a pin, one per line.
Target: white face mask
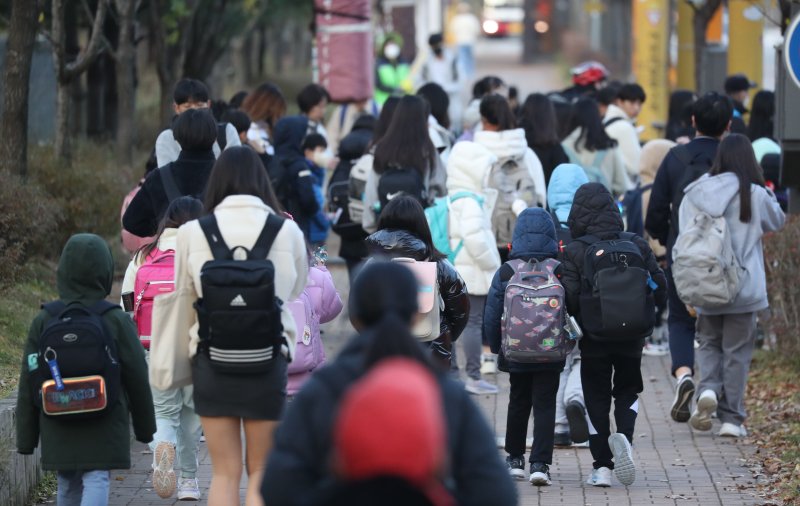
(391, 51)
(322, 158)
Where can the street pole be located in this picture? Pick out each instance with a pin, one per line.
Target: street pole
(651, 62)
(745, 30)
(686, 79)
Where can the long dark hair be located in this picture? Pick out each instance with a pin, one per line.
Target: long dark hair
(406, 143)
(679, 122)
(593, 136)
(179, 211)
(439, 102)
(406, 213)
(736, 155)
(239, 171)
(762, 116)
(539, 121)
(496, 111)
(384, 120)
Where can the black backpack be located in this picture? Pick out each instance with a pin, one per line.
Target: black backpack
(632, 212)
(278, 175)
(339, 200)
(616, 297)
(84, 353)
(239, 314)
(398, 181)
(694, 167)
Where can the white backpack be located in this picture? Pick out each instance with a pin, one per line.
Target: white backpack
(428, 297)
(357, 182)
(704, 265)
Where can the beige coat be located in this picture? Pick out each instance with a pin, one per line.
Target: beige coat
(653, 153)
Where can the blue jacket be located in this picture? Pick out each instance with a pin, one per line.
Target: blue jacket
(564, 182)
(319, 223)
(299, 199)
(534, 238)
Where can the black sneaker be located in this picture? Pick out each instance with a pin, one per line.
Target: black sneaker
(516, 467)
(562, 439)
(576, 417)
(540, 474)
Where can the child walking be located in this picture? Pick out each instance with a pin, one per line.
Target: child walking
(612, 282)
(83, 440)
(534, 385)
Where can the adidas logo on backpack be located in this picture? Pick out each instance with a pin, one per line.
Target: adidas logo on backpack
(238, 301)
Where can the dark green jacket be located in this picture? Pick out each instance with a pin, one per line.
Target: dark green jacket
(85, 273)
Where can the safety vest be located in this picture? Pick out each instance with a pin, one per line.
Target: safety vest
(390, 76)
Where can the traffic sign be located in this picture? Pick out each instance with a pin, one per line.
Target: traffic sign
(791, 50)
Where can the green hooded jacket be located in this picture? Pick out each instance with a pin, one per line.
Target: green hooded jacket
(85, 273)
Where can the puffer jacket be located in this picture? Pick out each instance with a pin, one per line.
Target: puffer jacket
(564, 182)
(399, 243)
(594, 212)
(718, 196)
(299, 198)
(85, 273)
(513, 144)
(534, 239)
(469, 221)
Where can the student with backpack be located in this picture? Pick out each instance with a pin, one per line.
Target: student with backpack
(589, 146)
(196, 131)
(317, 155)
(192, 94)
(711, 116)
(83, 379)
(723, 218)
(612, 282)
(530, 339)
(383, 304)
(226, 321)
(571, 423)
(403, 232)
(618, 122)
(467, 236)
(151, 272)
(517, 174)
(405, 162)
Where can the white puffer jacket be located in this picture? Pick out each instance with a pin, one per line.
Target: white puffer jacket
(468, 170)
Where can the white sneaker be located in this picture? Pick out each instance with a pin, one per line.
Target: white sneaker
(600, 477)
(480, 387)
(489, 364)
(706, 406)
(655, 349)
(732, 430)
(624, 468)
(164, 480)
(188, 490)
(684, 391)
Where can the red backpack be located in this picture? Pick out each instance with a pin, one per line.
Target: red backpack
(156, 276)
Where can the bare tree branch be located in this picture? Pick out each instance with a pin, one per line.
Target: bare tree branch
(93, 48)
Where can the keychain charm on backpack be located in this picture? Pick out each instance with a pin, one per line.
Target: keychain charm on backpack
(54, 370)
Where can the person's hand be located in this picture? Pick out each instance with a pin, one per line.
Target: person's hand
(692, 312)
(518, 206)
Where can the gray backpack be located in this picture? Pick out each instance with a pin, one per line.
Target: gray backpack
(512, 181)
(704, 265)
(534, 314)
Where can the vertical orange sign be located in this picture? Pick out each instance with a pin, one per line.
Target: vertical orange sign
(651, 63)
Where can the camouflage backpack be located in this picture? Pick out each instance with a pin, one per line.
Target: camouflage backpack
(533, 313)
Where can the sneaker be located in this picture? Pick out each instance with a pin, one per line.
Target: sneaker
(540, 474)
(600, 477)
(562, 439)
(516, 467)
(624, 468)
(164, 480)
(684, 391)
(732, 430)
(576, 417)
(655, 349)
(480, 387)
(706, 407)
(188, 490)
(489, 364)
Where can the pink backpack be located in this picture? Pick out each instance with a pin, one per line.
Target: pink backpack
(154, 277)
(309, 352)
(131, 242)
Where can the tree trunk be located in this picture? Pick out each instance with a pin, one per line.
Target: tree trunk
(702, 17)
(62, 146)
(126, 82)
(19, 53)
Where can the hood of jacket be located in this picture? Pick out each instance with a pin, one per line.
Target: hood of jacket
(468, 167)
(397, 243)
(564, 182)
(354, 144)
(85, 270)
(713, 194)
(505, 144)
(288, 134)
(594, 212)
(534, 235)
(653, 153)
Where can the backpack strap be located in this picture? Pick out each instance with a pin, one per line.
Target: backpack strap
(611, 121)
(506, 272)
(342, 116)
(268, 234)
(210, 228)
(167, 179)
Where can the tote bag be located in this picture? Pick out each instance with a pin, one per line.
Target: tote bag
(173, 316)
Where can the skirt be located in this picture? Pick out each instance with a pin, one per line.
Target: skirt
(251, 396)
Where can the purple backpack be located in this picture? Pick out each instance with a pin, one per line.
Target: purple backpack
(534, 314)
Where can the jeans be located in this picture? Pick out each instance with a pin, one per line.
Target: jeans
(569, 389)
(467, 59)
(536, 390)
(82, 488)
(681, 328)
(726, 348)
(471, 338)
(177, 423)
(598, 390)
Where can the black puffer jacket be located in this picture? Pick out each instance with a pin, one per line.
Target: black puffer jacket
(399, 243)
(594, 212)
